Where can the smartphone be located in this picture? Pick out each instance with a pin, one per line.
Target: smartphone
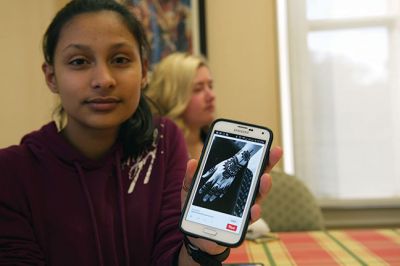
(226, 182)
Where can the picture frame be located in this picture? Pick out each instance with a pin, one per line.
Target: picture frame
(172, 25)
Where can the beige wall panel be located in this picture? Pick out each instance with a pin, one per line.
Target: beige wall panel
(25, 101)
(60, 3)
(242, 51)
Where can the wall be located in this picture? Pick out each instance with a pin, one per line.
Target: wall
(25, 100)
(242, 50)
(361, 213)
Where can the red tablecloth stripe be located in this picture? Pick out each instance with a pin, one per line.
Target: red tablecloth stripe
(304, 249)
(382, 246)
(239, 254)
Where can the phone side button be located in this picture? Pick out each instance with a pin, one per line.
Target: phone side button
(209, 232)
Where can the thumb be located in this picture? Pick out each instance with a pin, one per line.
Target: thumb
(187, 181)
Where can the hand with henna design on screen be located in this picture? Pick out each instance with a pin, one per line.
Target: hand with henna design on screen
(221, 176)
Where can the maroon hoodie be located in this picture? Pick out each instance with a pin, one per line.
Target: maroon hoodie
(58, 207)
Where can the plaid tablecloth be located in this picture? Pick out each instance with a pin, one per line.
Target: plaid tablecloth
(322, 248)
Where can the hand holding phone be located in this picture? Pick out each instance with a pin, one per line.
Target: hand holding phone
(226, 182)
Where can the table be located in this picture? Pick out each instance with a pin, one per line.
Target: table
(324, 248)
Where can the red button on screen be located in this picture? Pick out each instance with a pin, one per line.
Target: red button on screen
(231, 227)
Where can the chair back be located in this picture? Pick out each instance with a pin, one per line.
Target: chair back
(290, 206)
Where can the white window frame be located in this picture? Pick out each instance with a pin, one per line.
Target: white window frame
(294, 72)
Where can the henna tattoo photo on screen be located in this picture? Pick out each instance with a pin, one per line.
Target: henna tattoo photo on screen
(226, 179)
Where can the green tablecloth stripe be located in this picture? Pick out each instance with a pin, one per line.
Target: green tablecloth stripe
(269, 255)
(363, 263)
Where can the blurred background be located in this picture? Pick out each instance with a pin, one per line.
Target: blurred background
(322, 74)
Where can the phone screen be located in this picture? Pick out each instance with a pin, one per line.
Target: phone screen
(232, 162)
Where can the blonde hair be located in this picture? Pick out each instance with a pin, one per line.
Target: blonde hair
(170, 86)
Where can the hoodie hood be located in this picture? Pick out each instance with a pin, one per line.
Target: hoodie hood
(48, 139)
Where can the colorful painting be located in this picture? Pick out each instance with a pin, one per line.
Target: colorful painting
(168, 25)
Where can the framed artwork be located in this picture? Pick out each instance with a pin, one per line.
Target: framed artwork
(172, 25)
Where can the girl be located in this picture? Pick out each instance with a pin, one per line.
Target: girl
(182, 89)
(104, 187)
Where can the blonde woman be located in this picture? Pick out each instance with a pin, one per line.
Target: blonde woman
(181, 87)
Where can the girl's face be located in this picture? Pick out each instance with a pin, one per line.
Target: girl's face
(201, 107)
(97, 71)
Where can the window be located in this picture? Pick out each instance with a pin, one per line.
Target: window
(344, 98)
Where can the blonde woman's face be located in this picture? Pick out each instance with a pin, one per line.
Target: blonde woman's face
(201, 108)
